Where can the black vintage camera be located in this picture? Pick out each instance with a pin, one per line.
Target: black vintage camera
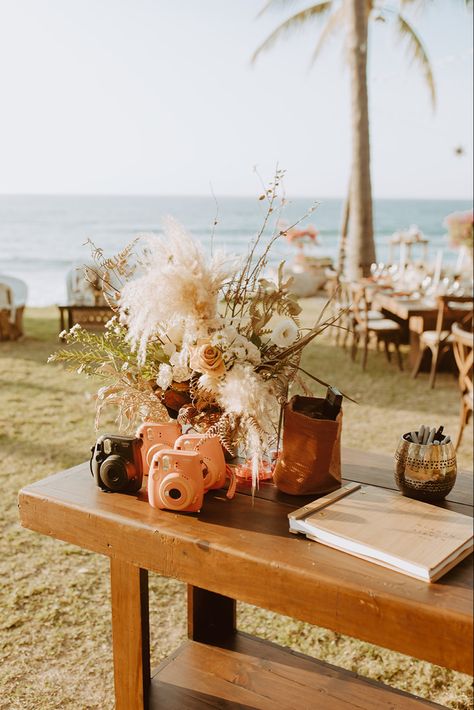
(116, 463)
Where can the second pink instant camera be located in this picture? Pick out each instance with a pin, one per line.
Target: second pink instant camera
(211, 456)
(156, 437)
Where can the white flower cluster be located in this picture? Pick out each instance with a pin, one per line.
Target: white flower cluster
(235, 347)
(177, 369)
(172, 337)
(229, 349)
(180, 340)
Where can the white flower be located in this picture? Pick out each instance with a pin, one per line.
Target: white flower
(179, 358)
(284, 333)
(239, 352)
(235, 347)
(62, 334)
(74, 329)
(175, 332)
(165, 376)
(253, 353)
(181, 373)
(230, 332)
(110, 323)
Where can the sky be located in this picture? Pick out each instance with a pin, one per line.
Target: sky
(159, 97)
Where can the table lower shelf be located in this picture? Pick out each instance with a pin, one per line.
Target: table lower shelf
(247, 673)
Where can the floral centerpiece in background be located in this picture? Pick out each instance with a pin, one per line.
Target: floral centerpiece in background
(300, 237)
(207, 340)
(460, 230)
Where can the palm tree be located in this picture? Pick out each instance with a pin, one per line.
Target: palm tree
(353, 17)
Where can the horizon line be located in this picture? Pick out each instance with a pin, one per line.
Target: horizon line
(224, 195)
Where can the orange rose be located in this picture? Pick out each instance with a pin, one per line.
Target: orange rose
(206, 358)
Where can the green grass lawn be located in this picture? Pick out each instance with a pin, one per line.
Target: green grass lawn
(55, 634)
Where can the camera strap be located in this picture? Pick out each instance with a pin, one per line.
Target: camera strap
(230, 473)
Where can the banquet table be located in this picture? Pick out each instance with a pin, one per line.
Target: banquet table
(406, 307)
(414, 315)
(242, 549)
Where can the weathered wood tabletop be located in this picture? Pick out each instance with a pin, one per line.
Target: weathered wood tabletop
(404, 308)
(243, 550)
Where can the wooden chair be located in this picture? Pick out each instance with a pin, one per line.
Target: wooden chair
(341, 301)
(88, 317)
(440, 340)
(463, 352)
(6, 308)
(367, 326)
(86, 303)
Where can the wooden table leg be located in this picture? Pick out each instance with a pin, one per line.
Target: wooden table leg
(414, 349)
(211, 616)
(131, 638)
(61, 319)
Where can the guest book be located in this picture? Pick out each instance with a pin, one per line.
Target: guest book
(384, 527)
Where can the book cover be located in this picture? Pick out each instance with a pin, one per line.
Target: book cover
(387, 528)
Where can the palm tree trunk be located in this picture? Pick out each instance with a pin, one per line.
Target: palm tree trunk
(361, 248)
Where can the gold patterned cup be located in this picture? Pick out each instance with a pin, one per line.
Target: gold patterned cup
(425, 471)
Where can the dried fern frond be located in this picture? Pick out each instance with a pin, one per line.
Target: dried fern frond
(134, 405)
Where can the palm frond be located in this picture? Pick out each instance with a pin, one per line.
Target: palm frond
(292, 23)
(418, 54)
(334, 21)
(274, 5)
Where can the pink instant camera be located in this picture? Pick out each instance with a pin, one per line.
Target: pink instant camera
(175, 481)
(156, 437)
(211, 456)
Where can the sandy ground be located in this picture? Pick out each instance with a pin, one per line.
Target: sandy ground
(55, 636)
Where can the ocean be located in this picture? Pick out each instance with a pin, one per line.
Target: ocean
(42, 237)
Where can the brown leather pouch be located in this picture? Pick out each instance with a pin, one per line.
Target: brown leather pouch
(310, 460)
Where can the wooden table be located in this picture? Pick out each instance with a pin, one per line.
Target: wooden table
(405, 308)
(414, 316)
(233, 550)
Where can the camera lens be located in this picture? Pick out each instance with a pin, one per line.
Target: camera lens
(113, 473)
(176, 492)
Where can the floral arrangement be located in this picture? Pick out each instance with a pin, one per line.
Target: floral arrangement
(209, 341)
(460, 229)
(299, 237)
(412, 235)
